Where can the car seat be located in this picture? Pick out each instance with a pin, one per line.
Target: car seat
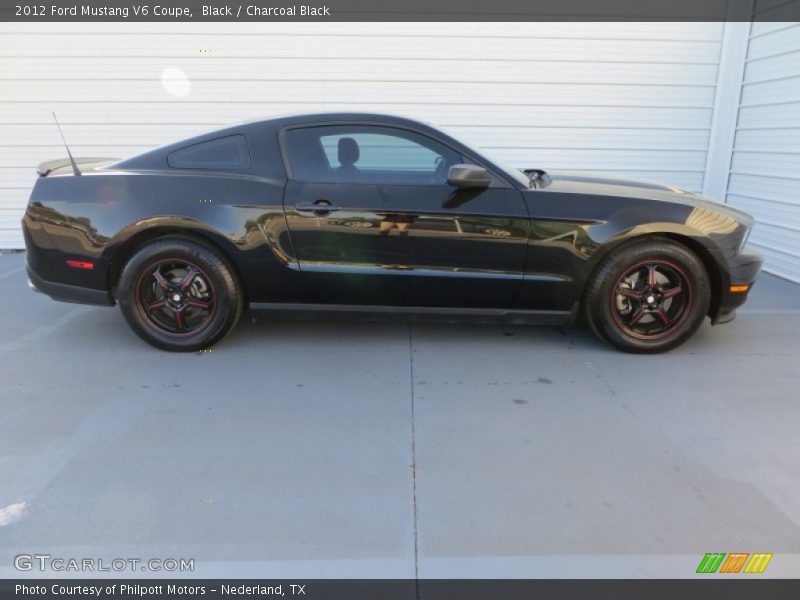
(348, 156)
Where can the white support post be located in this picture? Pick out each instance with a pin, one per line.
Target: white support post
(726, 109)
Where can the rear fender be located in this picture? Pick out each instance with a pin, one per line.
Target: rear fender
(124, 244)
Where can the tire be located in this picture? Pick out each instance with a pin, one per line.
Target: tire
(648, 296)
(179, 295)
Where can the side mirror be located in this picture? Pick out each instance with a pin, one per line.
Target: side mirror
(469, 176)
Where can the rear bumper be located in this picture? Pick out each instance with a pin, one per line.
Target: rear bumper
(68, 293)
(744, 270)
(49, 273)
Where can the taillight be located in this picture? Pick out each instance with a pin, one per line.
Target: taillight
(80, 264)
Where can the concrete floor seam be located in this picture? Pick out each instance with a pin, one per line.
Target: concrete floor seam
(413, 455)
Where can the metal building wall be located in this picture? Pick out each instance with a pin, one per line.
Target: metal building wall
(765, 166)
(630, 98)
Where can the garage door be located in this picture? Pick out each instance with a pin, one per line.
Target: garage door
(765, 168)
(630, 98)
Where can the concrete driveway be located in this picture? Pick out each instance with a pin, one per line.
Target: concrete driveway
(341, 449)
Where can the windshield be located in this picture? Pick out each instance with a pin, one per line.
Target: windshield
(504, 166)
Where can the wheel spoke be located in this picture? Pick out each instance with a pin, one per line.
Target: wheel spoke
(160, 279)
(662, 314)
(651, 275)
(187, 279)
(674, 291)
(637, 316)
(156, 305)
(179, 318)
(198, 303)
(628, 293)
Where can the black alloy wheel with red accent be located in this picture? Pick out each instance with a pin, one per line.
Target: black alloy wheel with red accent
(178, 294)
(648, 296)
(175, 296)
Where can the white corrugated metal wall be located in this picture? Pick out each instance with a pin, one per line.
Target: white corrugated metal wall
(632, 98)
(765, 167)
(629, 98)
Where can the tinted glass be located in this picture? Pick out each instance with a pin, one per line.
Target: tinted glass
(367, 154)
(224, 153)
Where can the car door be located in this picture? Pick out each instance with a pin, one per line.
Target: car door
(468, 247)
(373, 221)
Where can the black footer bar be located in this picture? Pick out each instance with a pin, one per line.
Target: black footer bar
(403, 589)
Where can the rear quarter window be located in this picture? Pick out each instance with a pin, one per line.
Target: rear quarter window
(226, 153)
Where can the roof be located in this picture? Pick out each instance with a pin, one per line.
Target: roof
(337, 116)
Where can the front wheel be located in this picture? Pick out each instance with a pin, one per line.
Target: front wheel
(648, 296)
(179, 295)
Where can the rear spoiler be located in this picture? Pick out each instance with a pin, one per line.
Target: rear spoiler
(49, 166)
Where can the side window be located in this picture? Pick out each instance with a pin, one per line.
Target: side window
(227, 153)
(367, 154)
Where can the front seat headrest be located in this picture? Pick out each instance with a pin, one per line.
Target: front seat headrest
(348, 151)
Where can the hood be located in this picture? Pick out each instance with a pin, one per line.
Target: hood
(574, 182)
(565, 178)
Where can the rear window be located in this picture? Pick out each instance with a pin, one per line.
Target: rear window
(225, 153)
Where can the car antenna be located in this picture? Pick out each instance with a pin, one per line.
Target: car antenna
(75, 168)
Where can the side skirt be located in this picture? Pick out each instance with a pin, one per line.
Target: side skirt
(417, 313)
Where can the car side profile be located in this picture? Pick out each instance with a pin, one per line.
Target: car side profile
(375, 214)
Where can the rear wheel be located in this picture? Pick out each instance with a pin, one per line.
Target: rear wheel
(648, 296)
(179, 295)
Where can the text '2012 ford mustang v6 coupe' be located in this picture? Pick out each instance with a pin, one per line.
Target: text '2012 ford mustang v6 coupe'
(376, 214)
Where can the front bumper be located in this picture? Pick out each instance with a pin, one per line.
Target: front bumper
(743, 270)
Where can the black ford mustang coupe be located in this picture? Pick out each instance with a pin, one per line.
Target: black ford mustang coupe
(375, 214)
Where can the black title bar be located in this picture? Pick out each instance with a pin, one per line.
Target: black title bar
(401, 10)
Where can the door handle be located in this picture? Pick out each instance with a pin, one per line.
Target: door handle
(318, 207)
